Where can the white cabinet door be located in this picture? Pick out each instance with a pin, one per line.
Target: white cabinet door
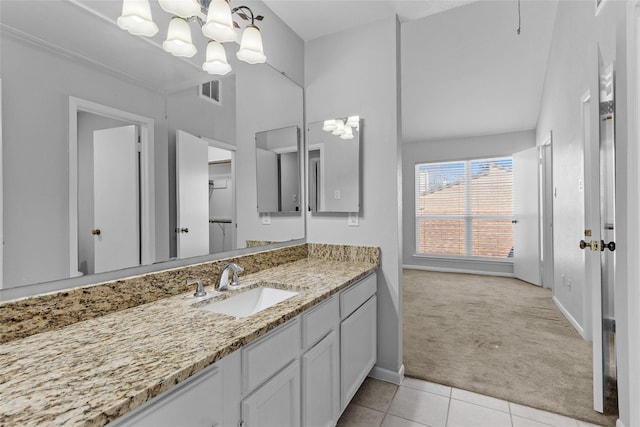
(195, 403)
(357, 349)
(277, 402)
(320, 383)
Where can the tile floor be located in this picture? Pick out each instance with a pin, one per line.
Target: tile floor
(417, 403)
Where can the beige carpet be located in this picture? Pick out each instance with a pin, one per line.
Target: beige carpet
(497, 336)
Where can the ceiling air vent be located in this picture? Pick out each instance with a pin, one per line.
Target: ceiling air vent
(210, 90)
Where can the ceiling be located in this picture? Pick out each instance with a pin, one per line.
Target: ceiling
(466, 72)
(311, 19)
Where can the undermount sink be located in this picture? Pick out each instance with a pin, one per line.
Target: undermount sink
(249, 302)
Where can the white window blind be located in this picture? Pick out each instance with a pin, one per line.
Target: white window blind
(465, 208)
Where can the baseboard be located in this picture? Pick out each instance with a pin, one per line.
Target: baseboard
(569, 317)
(619, 423)
(457, 270)
(387, 374)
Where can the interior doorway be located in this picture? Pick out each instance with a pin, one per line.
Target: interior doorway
(79, 110)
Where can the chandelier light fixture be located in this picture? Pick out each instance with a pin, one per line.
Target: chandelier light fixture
(342, 127)
(219, 28)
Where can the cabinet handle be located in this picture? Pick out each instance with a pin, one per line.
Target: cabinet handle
(95, 232)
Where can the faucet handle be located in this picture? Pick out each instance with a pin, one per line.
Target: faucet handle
(199, 288)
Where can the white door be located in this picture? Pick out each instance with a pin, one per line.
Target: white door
(526, 241)
(599, 238)
(116, 198)
(192, 188)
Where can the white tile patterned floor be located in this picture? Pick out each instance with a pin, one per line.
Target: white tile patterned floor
(417, 403)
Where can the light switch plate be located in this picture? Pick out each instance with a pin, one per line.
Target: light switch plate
(266, 219)
(352, 221)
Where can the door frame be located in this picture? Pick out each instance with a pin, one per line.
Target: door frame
(234, 219)
(147, 186)
(1, 198)
(633, 210)
(546, 213)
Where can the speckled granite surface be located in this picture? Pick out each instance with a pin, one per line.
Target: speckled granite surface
(27, 316)
(91, 372)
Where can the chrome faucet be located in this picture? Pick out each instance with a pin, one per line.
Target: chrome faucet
(223, 279)
(199, 287)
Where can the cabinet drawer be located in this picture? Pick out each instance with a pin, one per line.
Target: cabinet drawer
(319, 321)
(356, 295)
(265, 357)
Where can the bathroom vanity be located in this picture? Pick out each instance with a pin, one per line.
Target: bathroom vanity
(304, 372)
(170, 362)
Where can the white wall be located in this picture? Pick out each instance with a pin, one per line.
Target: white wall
(572, 71)
(266, 100)
(446, 150)
(356, 72)
(36, 145)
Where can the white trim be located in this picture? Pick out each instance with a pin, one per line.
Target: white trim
(147, 183)
(569, 317)
(619, 423)
(585, 111)
(234, 214)
(1, 198)
(476, 259)
(457, 270)
(387, 374)
(633, 198)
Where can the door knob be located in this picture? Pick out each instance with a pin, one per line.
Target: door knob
(611, 246)
(95, 232)
(594, 245)
(182, 230)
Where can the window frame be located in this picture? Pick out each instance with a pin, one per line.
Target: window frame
(468, 217)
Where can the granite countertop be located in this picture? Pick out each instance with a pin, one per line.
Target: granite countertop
(92, 372)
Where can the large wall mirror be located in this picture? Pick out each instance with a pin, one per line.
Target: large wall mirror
(278, 170)
(333, 149)
(117, 154)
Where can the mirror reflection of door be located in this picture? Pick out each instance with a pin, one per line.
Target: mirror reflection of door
(116, 232)
(315, 180)
(108, 194)
(192, 213)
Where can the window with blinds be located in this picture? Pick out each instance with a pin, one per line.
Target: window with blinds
(465, 208)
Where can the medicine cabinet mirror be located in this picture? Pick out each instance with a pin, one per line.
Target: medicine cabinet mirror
(334, 165)
(278, 170)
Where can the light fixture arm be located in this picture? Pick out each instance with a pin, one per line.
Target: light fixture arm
(242, 11)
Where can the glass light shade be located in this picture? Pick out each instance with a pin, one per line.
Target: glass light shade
(251, 46)
(136, 18)
(348, 133)
(329, 125)
(216, 62)
(219, 25)
(339, 130)
(181, 8)
(353, 121)
(178, 42)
